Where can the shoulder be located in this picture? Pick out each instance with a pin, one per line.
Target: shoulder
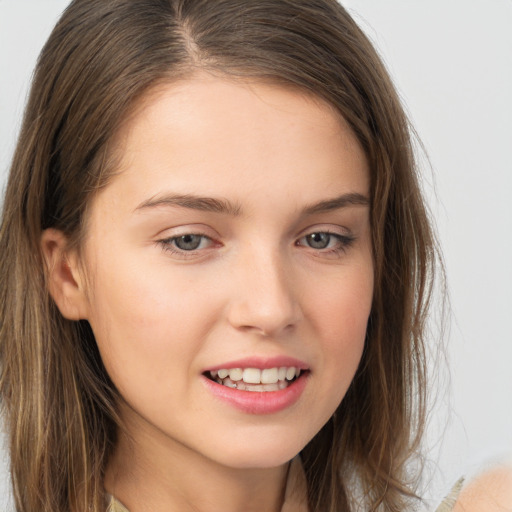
(114, 506)
(489, 492)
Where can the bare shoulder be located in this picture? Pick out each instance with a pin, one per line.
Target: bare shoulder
(489, 492)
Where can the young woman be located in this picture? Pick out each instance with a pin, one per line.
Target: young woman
(215, 265)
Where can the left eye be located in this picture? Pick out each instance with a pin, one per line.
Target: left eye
(319, 240)
(188, 242)
(326, 243)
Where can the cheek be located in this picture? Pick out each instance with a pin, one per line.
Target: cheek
(340, 318)
(148, 323)
(343, 305)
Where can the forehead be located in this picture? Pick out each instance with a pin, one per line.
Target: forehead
(223, 134)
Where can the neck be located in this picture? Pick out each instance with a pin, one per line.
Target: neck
(148, 474)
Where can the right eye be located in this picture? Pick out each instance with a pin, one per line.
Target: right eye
(188, 242)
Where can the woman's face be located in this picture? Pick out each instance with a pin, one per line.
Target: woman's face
(235, 239)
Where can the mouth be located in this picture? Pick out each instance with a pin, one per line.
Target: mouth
(256, 379)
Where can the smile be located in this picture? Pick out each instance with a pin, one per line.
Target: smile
(255, 379)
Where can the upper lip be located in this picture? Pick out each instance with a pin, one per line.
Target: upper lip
(261, 363)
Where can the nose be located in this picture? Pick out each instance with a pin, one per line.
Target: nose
(264, 296)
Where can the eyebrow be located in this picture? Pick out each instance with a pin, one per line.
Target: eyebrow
(205, 204)
(219, 205)
(352, 199)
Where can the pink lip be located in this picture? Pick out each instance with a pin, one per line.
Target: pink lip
(260, 362)
(254, 402)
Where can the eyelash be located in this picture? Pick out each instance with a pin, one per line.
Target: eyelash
(343, 244)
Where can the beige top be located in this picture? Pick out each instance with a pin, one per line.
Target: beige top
(295, 498)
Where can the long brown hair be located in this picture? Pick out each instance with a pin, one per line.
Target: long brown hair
(103, 55)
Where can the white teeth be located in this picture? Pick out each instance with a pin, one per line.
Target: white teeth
(252, 376)
(229, 383)
(223, 374)
(259, 388)
(262, 387)
(290, 373)
(236, 374)
(269, 376)
(254, 379)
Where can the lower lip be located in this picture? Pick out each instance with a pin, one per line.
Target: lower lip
(259, 402)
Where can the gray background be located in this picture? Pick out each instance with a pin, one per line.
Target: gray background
(452, 62)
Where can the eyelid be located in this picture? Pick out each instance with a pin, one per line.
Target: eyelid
(332, 229)
(186, 229)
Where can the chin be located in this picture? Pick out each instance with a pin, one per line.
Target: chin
(262, 460)
(260, 451)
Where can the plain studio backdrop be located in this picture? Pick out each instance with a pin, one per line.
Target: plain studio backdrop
(452, 63)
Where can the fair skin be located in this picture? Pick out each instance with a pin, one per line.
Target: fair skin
(489, 492)
(235, 233)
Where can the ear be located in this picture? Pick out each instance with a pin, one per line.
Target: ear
(64, 280)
